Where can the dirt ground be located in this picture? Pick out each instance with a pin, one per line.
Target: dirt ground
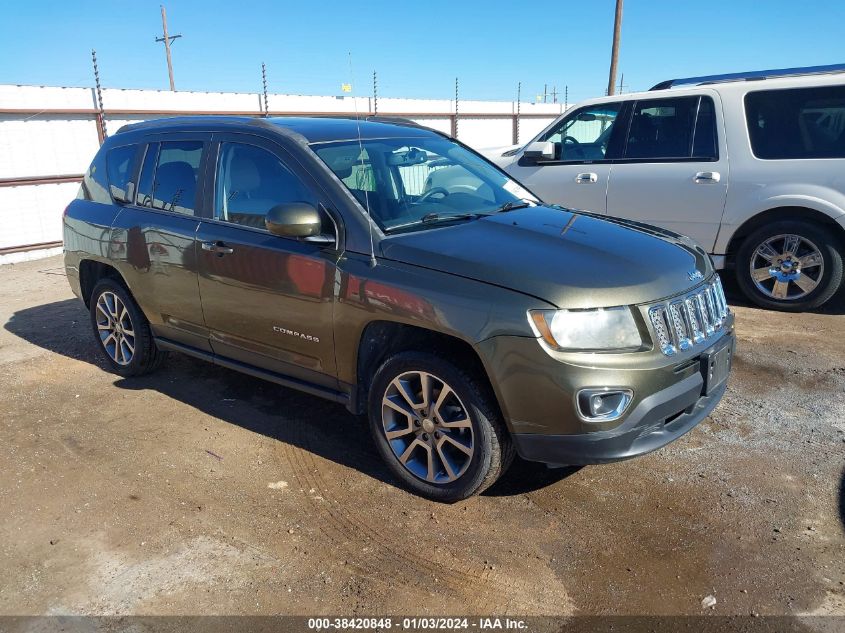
(201, 490)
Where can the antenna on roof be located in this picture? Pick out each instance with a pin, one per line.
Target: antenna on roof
(363, 167)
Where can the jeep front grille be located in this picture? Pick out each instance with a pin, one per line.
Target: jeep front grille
(688, 320)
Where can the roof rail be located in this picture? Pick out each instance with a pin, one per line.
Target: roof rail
(752, 75)
(392, 119)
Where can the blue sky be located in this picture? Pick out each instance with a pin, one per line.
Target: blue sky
(417, 47)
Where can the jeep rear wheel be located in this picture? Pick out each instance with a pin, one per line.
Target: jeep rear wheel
(437, 427)
(789, 265)
(122, 331)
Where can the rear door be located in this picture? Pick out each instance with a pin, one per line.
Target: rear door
(155, 235)
(585, 142)
(267, 300)
(673, 171)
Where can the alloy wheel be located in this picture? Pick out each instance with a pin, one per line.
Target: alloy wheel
(427, 427)
(787, 267)
(114, 326)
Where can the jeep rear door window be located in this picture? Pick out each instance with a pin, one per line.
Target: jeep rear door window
(250, 182)
(585, 134)
(662, 128)
(797, 123)
(120, 161)
(169, 176)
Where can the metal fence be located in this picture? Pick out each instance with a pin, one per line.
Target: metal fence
(48, 135)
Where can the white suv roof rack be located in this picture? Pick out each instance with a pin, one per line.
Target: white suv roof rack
(752, 75)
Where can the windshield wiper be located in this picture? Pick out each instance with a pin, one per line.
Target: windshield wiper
(428, 218)
(510, 206)
(436, 218)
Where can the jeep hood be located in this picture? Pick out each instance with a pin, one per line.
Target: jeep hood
(569, 259)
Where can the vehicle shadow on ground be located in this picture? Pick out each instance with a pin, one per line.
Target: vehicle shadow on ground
(321, 427)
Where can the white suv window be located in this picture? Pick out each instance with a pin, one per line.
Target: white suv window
(797, 123)
(585, 134)
(678, 127)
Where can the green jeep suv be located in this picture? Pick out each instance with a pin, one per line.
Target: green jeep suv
(390, 268)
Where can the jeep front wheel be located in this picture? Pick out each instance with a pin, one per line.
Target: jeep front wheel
(437, 427)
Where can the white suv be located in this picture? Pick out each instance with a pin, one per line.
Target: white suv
(750, 165)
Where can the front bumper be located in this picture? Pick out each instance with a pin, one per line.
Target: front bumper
(659, 419)
(670, 401)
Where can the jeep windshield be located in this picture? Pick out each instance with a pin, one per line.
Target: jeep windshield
(410, 184)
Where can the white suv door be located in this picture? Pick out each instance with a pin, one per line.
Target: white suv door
(673, 169)
(578, 174)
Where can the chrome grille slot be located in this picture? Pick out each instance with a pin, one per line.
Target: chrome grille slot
(658, 317)
(679, 323)
(715, 317)
(695, 320)
(689, 320)
(720, 297)
(705, 317)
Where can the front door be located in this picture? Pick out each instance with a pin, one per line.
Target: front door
(674, 169)
(577, 177)
(267, 300)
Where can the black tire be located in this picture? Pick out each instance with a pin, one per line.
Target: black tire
(493, 449)
(829, 280)
(145, 357)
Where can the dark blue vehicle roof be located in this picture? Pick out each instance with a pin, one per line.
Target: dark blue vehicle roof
(312, 129)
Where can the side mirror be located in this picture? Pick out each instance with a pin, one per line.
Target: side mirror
(540, 150)
(293, 219)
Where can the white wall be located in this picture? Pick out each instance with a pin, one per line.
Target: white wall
(31, 214)
(38, 143)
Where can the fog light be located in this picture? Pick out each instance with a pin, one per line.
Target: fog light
(603, 404)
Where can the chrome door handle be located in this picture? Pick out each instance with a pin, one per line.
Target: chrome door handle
(586, 178)
(217, 247)
(707, 177)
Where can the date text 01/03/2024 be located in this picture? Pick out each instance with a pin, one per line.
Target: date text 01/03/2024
(416, 623)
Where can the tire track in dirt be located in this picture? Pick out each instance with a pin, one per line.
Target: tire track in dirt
(483, 591)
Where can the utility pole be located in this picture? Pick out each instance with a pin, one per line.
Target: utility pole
(167, 39)
(518, 111)
(566, 97)
(614, 55)
(554, 94)
(545, 92)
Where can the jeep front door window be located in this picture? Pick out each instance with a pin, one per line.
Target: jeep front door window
(250, 182)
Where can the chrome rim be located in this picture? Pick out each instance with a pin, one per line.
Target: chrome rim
(787, 267)
(427, 427)
(114, 326)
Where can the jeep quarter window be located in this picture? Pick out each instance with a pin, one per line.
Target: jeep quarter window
(386, 267)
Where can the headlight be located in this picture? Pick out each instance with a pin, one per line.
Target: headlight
(600, 329)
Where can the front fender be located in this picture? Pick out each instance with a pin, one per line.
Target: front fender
(465, 309)
(826, 200)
